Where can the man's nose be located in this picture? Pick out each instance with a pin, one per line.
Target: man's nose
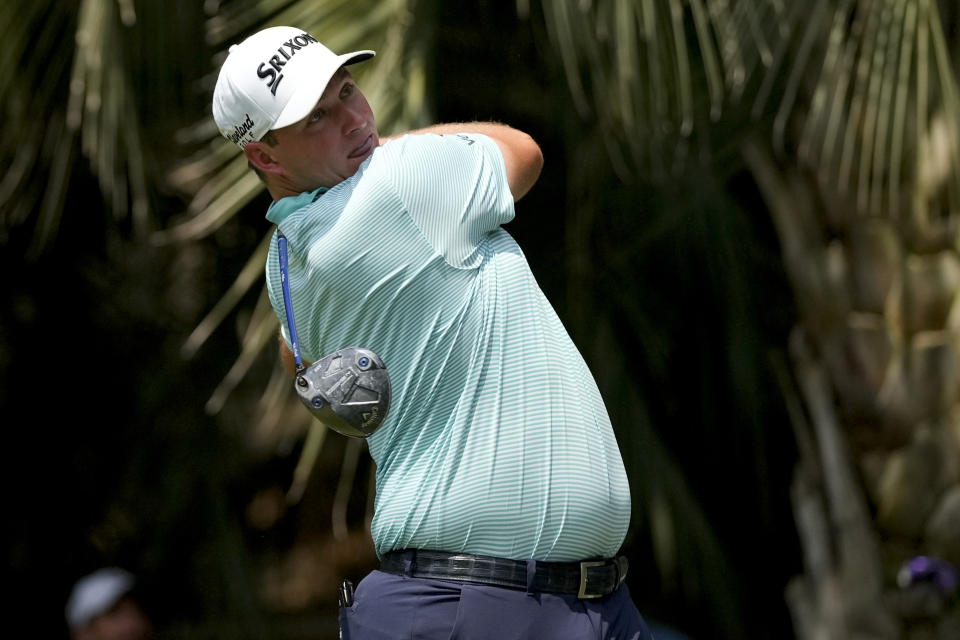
(353, 121)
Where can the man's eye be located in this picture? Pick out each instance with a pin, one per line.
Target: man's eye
(347, 90)
(316, 115)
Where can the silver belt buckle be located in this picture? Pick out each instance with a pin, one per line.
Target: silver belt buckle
(584, 567)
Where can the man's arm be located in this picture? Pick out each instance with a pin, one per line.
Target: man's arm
(521, 154)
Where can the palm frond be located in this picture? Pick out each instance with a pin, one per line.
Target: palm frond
(72, 51)
(260, 331)
(251, 273)
(881, 123)
(638, 67)
(32, 37)
(864, 90)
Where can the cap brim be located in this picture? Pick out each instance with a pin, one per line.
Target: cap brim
(307, 96)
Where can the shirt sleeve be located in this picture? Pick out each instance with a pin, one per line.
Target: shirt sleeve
(454, 188)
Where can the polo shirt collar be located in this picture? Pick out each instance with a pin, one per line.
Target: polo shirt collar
(279, 210)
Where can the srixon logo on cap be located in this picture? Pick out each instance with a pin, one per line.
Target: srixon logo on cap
(271, 71)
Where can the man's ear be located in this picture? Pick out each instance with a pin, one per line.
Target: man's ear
(260, 156)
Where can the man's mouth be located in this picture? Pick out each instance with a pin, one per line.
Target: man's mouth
(364, 148)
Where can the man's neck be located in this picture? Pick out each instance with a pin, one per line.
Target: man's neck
(279, 189)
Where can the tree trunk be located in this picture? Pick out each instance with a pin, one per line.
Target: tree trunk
(875, 360)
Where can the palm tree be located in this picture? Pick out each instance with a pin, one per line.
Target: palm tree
(846, 114)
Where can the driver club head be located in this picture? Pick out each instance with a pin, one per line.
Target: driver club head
(347, 390)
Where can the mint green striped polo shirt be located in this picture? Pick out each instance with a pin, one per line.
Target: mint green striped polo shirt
(497, 441)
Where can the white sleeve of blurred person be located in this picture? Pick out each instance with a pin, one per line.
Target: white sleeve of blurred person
(102, 606)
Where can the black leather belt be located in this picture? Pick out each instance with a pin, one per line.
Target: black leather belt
(587, 579)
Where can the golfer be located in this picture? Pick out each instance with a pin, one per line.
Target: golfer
(501, 496)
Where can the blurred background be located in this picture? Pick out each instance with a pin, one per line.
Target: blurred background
(746, 220)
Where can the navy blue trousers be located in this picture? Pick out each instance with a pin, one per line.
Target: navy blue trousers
(391, 607)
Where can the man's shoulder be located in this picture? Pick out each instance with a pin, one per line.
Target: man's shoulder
(432, 140)
(406, 145)
(440, 153)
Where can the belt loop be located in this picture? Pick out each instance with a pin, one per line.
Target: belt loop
(409, 556)
(622, 567)
(531, 574)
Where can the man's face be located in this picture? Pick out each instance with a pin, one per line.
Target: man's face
(327, 146)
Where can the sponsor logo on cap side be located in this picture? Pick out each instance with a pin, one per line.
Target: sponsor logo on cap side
(241, 130)
(271, 71)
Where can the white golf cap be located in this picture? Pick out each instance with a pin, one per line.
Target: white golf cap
(95, 594)
(273, 79)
